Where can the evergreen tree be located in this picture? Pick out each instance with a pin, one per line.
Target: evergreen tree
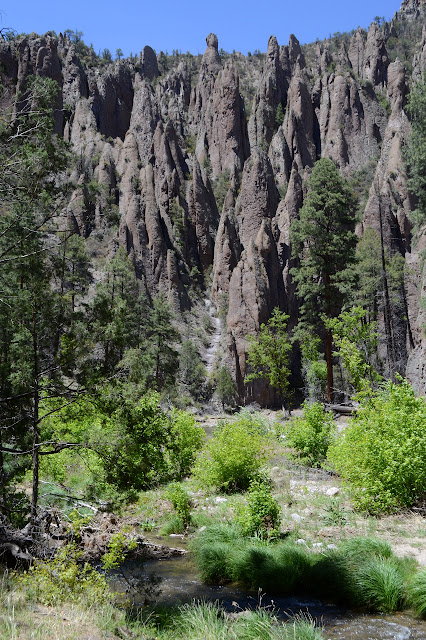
(120, 315)
(381, 289)
(30, 309)
(161, 341)
(416, 153)
(324, 240)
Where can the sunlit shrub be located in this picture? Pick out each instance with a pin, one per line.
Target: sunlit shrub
(233, 457)
(312, 434)
(382, 452)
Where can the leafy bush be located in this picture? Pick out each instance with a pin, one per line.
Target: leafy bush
(180, 500)
(130, 443)
(64, 579)
(186, 438)
(119, 545)
(382, 453)
(261, 515)
(233, 457)
(311, 435)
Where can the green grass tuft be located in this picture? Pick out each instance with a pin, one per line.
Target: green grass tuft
(416, 593)
(381, 585)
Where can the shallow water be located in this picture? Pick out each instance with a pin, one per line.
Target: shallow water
(175, 581)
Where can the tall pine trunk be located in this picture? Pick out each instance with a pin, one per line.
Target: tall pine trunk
(35, 425)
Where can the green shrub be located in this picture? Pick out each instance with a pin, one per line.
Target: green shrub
(416, 593)
(254, 421)
(186, 439)
(233, 457)
(261, 514)
(311, 435)
(181, 502)
(64, 579)
(119, 545)
(382, 453)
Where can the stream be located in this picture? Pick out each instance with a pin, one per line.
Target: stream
(174, 581)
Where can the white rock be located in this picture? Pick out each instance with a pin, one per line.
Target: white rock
(218, 500)
(317, 545)
(203, 528)
(332, 546)
(296, 517)
(332, 491)
(300, 541)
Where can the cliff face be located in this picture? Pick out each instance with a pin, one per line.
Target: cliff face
(199, 165)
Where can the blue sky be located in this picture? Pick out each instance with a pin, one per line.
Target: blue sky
(184, 25)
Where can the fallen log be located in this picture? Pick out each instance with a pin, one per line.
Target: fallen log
(14, 550)
(344, 409)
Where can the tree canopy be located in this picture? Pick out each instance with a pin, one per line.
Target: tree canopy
(268, 353)
(324, 241)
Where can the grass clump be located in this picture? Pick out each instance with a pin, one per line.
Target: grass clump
(234, 456)
(362, 572)
(222, 553)
(207, 621)
(278, 569)
(416, 593)
(380, 584)
(311, 435)
(203, 621)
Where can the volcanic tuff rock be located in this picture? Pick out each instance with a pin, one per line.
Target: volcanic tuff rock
(198, 165)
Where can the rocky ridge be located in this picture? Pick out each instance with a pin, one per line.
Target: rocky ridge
(200, 164)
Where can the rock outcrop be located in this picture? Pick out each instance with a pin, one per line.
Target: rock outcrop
(199, 165)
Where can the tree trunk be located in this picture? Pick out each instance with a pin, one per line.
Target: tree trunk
(329, 361)
(35, 428)
(4, 506)
(386, 299)
(328, 340)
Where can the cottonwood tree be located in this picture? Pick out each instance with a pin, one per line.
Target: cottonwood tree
(324, 241)
(268, 353)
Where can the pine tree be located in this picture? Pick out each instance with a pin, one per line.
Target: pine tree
(323, 239)
(30, 307)
(416, 153)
